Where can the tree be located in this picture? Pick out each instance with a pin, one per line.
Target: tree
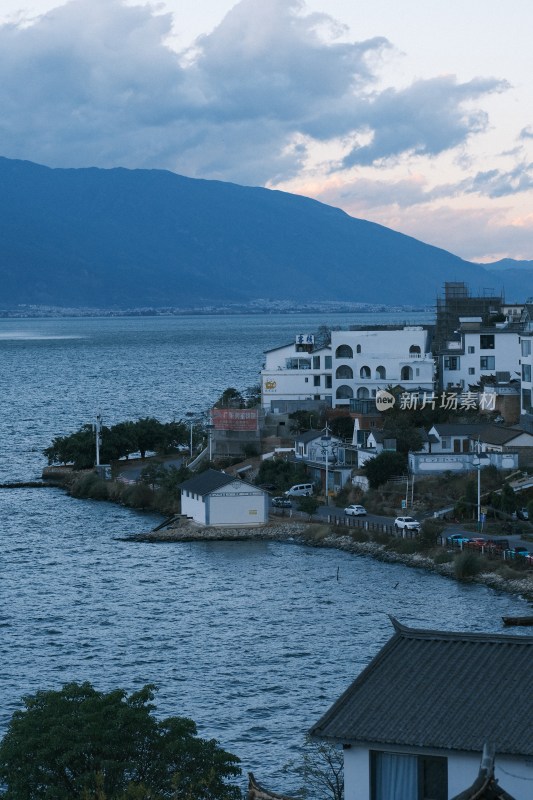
(82, 743)
(230, 398)
(78, 449)
(322, 770)
(149, 435)
(386, 465)
(308, 505)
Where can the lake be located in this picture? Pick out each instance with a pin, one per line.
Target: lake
(252, 640)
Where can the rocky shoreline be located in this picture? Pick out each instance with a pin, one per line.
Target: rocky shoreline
(314, 534)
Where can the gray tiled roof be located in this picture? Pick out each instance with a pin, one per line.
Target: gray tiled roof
(451, 691)
(207, 482)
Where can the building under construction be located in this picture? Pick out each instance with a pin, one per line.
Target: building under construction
(458, 302)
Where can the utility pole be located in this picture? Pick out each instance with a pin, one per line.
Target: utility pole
(98, 428)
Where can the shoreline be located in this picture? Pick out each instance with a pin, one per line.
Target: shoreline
(313, 534)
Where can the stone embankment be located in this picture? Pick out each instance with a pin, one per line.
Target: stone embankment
(321, 535)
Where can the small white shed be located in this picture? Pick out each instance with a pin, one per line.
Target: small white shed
(214, 498)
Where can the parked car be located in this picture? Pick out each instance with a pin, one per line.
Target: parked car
(522, 513)
(517, 552)
(300, 490)
(477, 542)
(355, 511)
(457, 539)
(498, 544)
(406, 524)
(281, 502)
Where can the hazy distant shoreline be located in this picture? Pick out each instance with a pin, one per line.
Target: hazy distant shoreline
(256, 309)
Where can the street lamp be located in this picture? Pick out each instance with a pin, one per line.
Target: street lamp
(210, 427)
(326, 445)
(191, 416)
(479, 461)
(98, 429)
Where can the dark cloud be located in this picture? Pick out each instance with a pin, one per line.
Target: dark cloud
(94, 83)
(427, 118)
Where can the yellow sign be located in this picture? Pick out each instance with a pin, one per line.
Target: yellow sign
(269, 385)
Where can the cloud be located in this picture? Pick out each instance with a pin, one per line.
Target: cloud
(526, 133)
(94, 82)
(427, 118)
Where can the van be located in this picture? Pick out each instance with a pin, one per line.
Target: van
(300, 490)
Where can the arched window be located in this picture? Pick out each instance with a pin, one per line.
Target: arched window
(406, 374)
(344, 393)
(414, 350)
(363, 393)
(344, 372)
(344, 351)
(364, 372)
(381, 373)
(358, 348)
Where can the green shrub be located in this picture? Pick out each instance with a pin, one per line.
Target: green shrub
(466, 565)
(443, 557)
(139, 495)
(89, 487)
(405, 546)
(359, 535)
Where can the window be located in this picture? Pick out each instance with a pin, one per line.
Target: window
(526, 400)
(344, 393)
(327, 362)
(408, 777)
(328, 381)
(344, 351)
(358, 348)
(316, 362)
(487, 362)
(316, 380)
(406, 374)
(526, 372)
(364, 372)
(526, 347)
(471, 349)
(414, 350)
(486, 341)
(344, 372)
(452, 363)
(445, 444)
(381, 373)
(471, 370)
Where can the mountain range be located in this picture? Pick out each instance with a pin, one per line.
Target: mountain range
(118, 238)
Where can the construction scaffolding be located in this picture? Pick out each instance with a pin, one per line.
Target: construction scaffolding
(458, 302)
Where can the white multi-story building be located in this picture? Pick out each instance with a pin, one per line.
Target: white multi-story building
(356, 364)
(296, 373)
(526, 352)
(480, 352)
(364, 361)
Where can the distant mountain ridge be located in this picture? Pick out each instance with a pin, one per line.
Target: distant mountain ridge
(136, 238)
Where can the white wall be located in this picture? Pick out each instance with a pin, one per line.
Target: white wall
(279, 382)
(387, 349)
(506, 354)
(193, 506)
(237, 503)
(515, 775)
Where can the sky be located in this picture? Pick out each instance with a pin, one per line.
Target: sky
(415, 114)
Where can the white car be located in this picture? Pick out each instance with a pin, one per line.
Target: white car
(355, 511)
(406, 524)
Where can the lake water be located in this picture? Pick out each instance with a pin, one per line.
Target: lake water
(252, 640)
